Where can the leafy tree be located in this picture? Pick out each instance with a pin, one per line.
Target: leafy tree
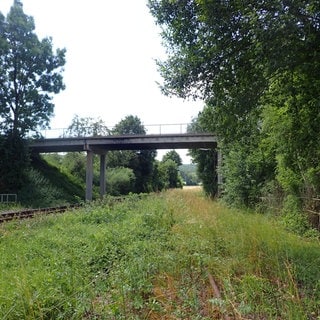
(174, 156)
(120, 181)
(256, 65)
(206, 160)
(140, 161)
(30, 74)
(169, 176)
(228, 52)
(143, 166)
(167, 172)
(292, 115)
(219, 47)
(129, 125)
(157, 182)
(87, 127)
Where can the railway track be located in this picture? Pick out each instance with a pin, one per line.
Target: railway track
(30, 213)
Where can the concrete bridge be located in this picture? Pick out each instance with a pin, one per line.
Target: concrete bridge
(101, 145)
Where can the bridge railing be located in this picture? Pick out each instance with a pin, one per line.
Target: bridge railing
(172, 128)
(176, 128)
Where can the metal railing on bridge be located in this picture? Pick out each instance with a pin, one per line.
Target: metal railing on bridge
(172, 128)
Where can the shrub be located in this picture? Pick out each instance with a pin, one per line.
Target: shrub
(120, 181)
(293, 217)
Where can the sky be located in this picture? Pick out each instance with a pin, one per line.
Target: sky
(110, 70)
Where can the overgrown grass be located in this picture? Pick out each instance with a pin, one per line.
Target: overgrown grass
(175, 255)
(47, 186)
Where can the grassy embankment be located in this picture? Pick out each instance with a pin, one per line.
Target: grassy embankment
(175, 255)
(48, 186)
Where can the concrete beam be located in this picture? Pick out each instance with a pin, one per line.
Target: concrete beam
(129, 142)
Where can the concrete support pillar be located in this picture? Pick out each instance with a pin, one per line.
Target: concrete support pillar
(89, 175)
(102, 175)
(219, 164)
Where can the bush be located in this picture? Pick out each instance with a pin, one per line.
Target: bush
(293, 217)
(120, 181)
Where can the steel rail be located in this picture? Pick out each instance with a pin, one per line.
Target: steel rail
(30, 213)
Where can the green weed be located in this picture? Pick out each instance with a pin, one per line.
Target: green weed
(173, 255)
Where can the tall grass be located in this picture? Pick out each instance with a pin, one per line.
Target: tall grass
(175, 255)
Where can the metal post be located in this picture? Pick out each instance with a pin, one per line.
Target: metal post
(102, 175)
(89, 175)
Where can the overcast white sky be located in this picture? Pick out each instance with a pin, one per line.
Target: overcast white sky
(110, 71)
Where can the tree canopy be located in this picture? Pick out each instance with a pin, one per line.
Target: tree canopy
(129, 125)
(215, 46)
(140, 161)
(30, 73)
(86, 127)
(256, 64)
(230, 52)
(174, 156)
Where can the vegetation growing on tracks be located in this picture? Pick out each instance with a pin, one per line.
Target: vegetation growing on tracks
(175, 255)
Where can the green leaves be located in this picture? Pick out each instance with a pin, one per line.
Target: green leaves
(129, 125)
(174, 156)
(87, 127)
(256, 65)
(30, 74)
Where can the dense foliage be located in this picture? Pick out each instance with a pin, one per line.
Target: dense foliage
(207, 162)
(169, 171)
(30, 73)
(139, 161)
(86, 127)
(257, 66)
(174, 156)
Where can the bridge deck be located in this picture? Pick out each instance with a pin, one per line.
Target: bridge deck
(125, 142)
